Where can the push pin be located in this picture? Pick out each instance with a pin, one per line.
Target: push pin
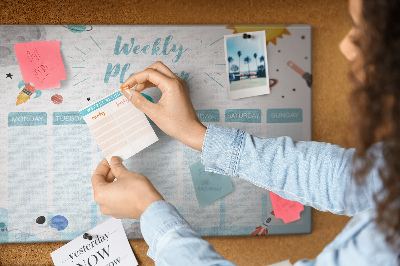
(88, 236)
(125, 88)
(246, 36)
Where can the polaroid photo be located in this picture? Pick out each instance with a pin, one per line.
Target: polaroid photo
(246, 64)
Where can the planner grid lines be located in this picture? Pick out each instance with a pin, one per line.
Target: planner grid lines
(119, 129)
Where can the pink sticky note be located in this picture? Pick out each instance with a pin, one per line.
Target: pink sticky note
(41, 63)
(284, 209)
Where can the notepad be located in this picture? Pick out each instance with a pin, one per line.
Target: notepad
(118, 126)
(209, 186)
(287, 210)
(41, 63)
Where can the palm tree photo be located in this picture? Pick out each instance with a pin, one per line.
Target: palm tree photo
(247, 60)
(239, 54)
(255, 57)
(230, 60)
(262, 60)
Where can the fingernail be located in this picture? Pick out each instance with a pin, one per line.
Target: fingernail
(115, 160)
(124, 88)
(129, 92)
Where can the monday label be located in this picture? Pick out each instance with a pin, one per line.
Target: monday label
(27, 119)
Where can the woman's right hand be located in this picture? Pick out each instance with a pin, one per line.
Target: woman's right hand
(174, 112)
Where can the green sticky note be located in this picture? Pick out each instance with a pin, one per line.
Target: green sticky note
(209, 186)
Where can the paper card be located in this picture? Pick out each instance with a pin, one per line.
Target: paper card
(109, 246)
(282, 263)
(209, 186)
(246, 64)
(288, 211)
(41, 63)
(118, 126)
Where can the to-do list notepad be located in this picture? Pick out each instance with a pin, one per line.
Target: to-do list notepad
(118, 126)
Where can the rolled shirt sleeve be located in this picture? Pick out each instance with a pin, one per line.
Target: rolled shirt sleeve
(313, 173)
(172, 241)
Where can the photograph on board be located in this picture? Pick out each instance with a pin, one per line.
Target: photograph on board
(246, 64)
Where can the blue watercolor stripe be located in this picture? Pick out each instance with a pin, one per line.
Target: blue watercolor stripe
(214, 80)
(189, 80)
(95, 42)
(80, 51)
(81, 81)
(101, 103)
(217, 41)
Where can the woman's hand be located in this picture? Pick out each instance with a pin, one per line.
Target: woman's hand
(127, 197)
(174, 112)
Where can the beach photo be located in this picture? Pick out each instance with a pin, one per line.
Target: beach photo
(246, 64)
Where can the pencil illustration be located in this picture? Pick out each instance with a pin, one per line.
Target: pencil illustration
(25, 94)
(305, 75)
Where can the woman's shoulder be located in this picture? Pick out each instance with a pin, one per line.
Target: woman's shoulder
(362, 241)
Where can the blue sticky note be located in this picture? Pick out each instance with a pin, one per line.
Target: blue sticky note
(209, 186)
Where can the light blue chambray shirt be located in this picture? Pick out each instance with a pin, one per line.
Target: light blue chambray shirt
(312, 173)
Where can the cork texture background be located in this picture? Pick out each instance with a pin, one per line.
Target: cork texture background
(330, 21)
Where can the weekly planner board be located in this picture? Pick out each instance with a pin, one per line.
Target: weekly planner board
(48, 153)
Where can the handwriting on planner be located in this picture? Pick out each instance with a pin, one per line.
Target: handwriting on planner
(41, 63)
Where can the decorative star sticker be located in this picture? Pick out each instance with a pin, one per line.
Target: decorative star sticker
(9, 75)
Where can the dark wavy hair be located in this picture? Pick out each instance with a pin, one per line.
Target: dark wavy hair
(375, 103)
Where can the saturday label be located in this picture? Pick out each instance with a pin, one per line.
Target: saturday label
(243, 115)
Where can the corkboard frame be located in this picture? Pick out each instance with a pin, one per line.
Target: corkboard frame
(330, 22)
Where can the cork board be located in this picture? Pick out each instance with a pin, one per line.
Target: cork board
(330, 22)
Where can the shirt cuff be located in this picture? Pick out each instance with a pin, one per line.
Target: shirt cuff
(221, 150)
(159, 218)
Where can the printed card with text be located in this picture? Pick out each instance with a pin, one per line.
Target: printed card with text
(108, 246)
(118, 126)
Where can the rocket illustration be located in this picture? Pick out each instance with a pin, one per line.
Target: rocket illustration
(305, 75)
(25, 94)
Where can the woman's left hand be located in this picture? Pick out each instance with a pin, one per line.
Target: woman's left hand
(127, 197)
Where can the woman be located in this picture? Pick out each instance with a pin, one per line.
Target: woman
(360, 182)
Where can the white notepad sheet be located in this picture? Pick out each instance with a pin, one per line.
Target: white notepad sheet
(118, 126)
